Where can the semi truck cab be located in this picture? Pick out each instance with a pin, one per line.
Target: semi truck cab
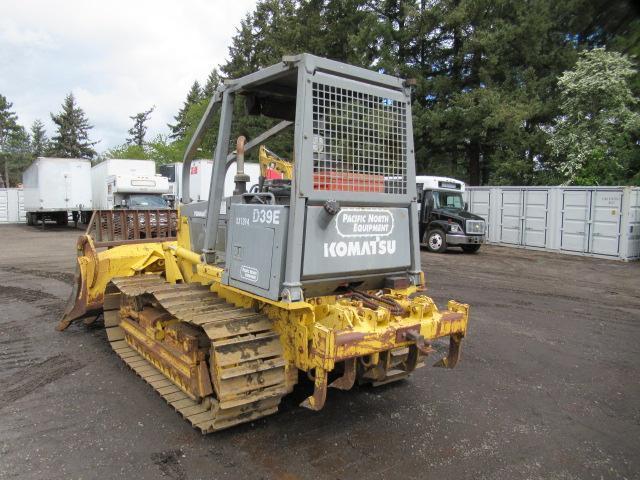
(444, 217)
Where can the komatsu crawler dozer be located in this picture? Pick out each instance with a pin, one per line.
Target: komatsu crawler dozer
(316, 269)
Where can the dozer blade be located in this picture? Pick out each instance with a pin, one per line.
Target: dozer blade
(95, 269)
(76, 306)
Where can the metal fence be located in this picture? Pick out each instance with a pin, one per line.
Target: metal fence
(595, 221)
(12, 205)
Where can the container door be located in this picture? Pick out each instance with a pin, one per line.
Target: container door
(4, 205)
(633, 225)
(479, 204)
(22, 215)
(13, 211)
(605, 222)
(576, 207)
(536, 206)
(511, 213)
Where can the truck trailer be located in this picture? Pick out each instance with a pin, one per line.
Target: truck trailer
(55, 187)
(131, 184)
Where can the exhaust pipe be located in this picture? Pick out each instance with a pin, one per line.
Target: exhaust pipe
(240, 178)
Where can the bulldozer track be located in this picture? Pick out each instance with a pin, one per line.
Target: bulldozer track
(246, 362)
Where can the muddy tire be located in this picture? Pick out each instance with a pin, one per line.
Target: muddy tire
(436, 241)
(470, 248)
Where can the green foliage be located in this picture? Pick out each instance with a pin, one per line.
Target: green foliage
(72, 138)
(139, 129)
(39, 140)
(161, 150)
(179, 128)
(8, 121)
(486, 70)
(211, 85)
(487, 75)
(596, 135)
(15, 153)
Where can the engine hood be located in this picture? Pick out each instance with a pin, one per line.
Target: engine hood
(458, 214)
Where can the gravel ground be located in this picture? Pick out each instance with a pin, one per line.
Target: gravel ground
(548, 385)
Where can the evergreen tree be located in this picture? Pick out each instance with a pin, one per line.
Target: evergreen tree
(10, 135)
(72, 125)
(211, 85)
(486, 71)
(17, 156)
(179, 128)
(39, 139)
(139, 129)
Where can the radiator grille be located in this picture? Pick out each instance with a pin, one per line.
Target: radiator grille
(360, 141)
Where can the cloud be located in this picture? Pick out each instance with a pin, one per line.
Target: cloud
(118, 57)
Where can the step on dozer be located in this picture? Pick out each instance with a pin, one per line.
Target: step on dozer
(315, 269)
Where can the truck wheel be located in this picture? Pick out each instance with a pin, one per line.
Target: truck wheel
(29, 219)
(470, 248)
(436, 241)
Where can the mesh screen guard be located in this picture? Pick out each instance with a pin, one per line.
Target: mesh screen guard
(359, 141)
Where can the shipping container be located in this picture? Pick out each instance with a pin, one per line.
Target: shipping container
(12, 205)
(595, 221)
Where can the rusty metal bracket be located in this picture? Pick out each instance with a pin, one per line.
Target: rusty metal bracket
(412, 334)
(348, 378)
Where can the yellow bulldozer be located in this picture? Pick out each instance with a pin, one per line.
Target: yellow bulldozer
(220, 305)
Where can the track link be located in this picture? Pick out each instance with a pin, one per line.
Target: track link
(246, 363)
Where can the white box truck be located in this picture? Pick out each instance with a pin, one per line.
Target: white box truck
(131, 184)
(200, 178)
(55, 187)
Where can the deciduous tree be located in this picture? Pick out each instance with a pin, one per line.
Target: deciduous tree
(596, 133)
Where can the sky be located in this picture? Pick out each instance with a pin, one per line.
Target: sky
(117, 57)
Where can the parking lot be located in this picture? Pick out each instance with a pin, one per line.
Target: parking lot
(548, 385)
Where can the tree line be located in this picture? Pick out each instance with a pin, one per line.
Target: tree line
(507, 92)
(19, 146)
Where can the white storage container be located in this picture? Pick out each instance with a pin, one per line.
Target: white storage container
(12, 205)
(596, 221)
(57, 184)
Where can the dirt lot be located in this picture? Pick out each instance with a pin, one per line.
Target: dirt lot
(548, 386)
